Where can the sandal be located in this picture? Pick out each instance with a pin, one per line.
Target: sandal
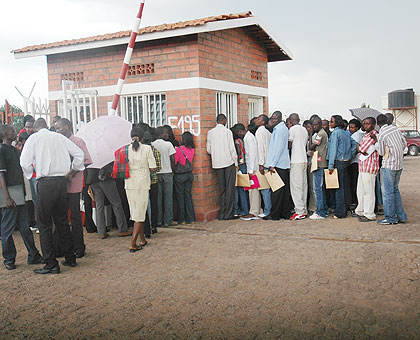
(143, 244)
(137, 248)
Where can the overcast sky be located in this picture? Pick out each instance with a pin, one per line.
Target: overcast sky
(345, 52)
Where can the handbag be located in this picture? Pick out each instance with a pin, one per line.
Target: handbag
(17, 194)
(105, 172)
(183, 169)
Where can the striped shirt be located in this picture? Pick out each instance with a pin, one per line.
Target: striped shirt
(370, 164)
(390, 136)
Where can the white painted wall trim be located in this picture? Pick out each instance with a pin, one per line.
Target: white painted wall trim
(208, 27)
(173, 85)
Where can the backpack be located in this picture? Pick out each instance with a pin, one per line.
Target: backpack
(183, 169)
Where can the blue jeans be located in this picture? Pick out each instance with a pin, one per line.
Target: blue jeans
(33, 182)
(391, 196)
(241, 205)
(183, 186)
(165, 199)
(378, 190)
(16, 219)
(321, 202)
(266, 196)
(340, 194)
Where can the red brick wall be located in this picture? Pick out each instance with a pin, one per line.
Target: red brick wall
(228, 55)
(173, 58)
(231, 55)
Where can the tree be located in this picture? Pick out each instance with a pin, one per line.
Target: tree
(364, 106)
(17, 121)
(12, 108)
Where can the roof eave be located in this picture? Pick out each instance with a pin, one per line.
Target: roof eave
(282, 53)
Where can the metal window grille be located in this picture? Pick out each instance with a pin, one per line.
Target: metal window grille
(255, 107)
(227, 103)
(146, 108)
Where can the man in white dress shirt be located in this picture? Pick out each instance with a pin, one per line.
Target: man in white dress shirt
(224, 160)
(251, 160)
(50, 154)
(263, 137)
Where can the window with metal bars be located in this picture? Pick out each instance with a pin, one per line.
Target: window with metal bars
(146, 108)
(227, 103)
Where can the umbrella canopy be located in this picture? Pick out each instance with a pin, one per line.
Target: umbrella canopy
(364, 112)
(103, 136)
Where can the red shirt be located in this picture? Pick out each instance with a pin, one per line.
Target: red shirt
(370, 164)
(179, 157)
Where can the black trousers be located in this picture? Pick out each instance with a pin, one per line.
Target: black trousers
(124, 201)
(352, 176)
(89, 224)
(52, 207)
(154, 204)
(226, 178)
(281, 200)
(76, 222)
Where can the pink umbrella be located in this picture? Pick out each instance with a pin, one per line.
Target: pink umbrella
(103, 136)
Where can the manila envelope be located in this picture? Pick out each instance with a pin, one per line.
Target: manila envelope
(331, 181)
(242, 180)
(314, 165)
(263, 181)
(274, 180)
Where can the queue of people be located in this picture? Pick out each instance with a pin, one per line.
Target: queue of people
(367, 156)
(149, 184)
(138, 186)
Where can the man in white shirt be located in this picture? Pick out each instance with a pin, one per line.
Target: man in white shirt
(263, 137)
(251, 160)
(165, 178)
(298, 137)
(49, 153)
(224, 160)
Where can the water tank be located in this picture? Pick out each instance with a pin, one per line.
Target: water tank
(401, 98)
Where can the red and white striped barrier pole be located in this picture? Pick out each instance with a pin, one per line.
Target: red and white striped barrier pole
(127, 59)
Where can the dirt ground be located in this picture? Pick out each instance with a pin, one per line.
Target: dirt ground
(231, 280)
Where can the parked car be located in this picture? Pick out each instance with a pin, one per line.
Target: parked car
(413, 141)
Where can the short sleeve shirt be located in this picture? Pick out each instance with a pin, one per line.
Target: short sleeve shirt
(298, 135)
(76, 183)
(10, 166)
(166, 150)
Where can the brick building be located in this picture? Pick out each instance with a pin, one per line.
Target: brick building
(180, 74)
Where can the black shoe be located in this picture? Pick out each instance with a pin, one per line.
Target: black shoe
(53, 270)
(69, 264)
(154, 230)
(267, 218)
(91, 231)
(79, 255)
(10, 266)
(147, 235)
